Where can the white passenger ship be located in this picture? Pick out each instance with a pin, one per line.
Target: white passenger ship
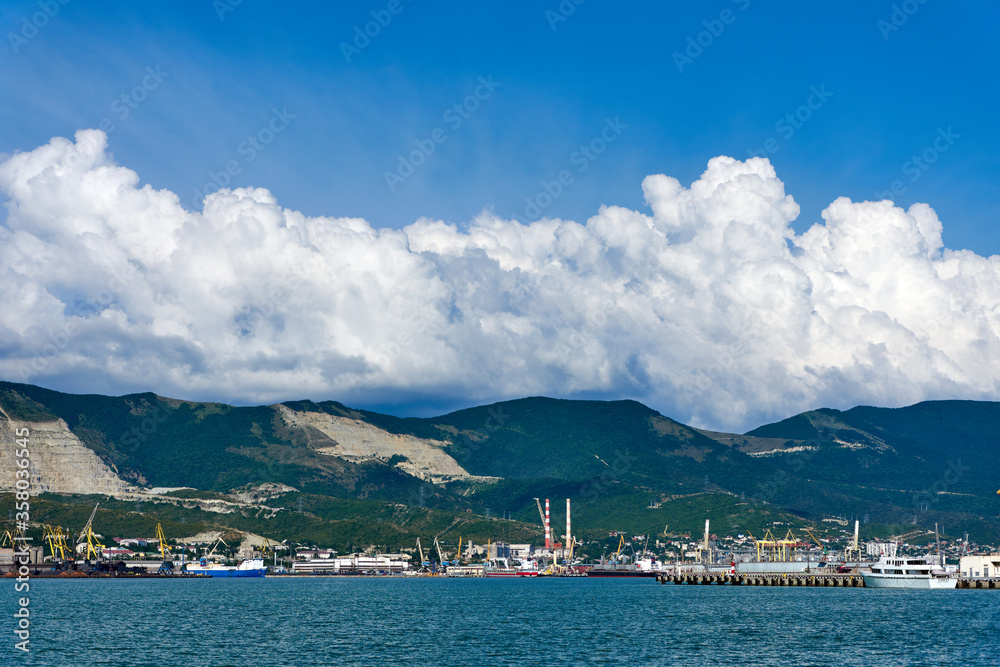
(892, 571)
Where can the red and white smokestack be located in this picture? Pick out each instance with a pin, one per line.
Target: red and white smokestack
(548, 527)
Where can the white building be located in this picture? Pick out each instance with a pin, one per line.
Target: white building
(522, 550)
(980, 567)
(309, 555)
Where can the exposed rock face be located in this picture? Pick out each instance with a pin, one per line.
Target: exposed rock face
(356, 440)
(261, 492)
(60, 463)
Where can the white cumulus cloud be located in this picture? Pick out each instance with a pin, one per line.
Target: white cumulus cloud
(707, 306)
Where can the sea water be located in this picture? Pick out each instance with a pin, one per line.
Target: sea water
(441, 621)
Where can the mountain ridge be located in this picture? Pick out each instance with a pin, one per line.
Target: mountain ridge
(880, 462)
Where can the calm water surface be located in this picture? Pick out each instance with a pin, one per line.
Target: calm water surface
(324, 621)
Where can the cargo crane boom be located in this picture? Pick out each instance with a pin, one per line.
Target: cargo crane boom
(815, 540)
(90, 521)
(438, 547)
(420, 550)
(162, 540)
(88, 533)
(166, 566)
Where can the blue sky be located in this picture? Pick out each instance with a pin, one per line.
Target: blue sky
(891, 92)
(494, 118)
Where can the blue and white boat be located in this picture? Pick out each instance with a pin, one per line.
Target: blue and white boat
(252, 567)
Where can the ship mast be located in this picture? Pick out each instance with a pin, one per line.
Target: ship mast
(937, 539)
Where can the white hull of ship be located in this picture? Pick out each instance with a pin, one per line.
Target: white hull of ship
(897, 581)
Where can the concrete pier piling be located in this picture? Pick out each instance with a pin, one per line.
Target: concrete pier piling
(797, 579)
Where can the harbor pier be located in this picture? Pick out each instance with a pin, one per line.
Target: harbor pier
(795, 579)
(798, 579)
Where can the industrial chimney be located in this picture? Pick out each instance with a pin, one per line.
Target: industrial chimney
(548, 527)
(569, 534)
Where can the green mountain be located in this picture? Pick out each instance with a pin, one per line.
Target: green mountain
(284, 470)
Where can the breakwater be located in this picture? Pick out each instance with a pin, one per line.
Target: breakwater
(797, 579)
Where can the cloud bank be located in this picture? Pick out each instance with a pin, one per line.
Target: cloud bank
(708, 307)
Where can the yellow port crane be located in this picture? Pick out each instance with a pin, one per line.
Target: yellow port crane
(56, 540)
(621, 543)
(162, 540)
(771, 549)
(166, 565)
(93, 545)
(815, 540)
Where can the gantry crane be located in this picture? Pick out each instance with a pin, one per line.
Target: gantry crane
(57, 542)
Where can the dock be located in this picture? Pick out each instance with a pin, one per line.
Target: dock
(980, 584)
(798, 579)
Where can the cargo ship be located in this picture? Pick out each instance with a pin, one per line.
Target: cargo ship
(502, 567)
(252, 567)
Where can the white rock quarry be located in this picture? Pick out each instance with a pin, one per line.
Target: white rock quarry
(60, 463)
(360, 441)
